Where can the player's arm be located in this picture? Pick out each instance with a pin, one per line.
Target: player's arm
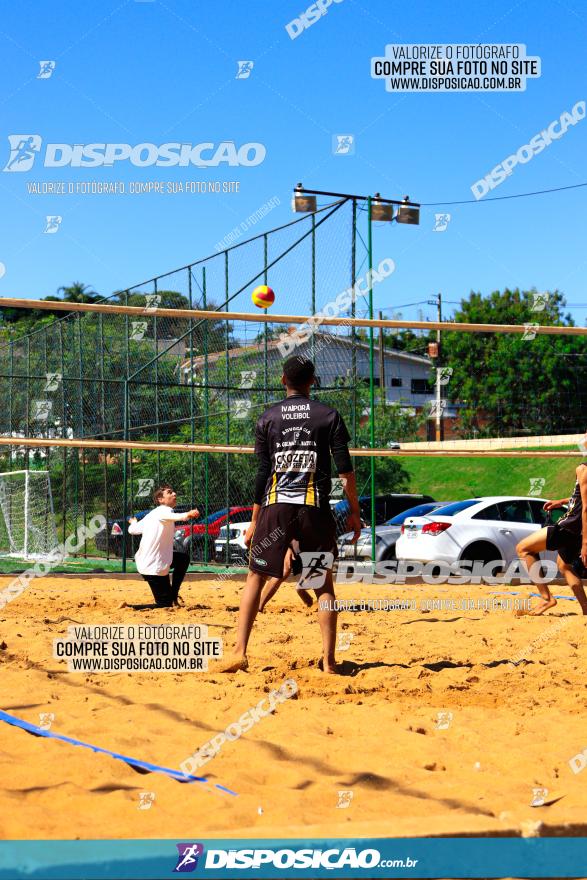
(179, 517)
(550, 505)
(134, 526)
(582, 478)
(349, 485)
(339, 448)
(263, 474)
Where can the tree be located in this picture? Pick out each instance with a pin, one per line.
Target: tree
(513, 383)
(76, 293)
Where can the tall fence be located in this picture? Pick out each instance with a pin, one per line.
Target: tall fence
(181, 359)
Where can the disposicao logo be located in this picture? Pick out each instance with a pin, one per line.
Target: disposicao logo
(188, 855)
(25, 147)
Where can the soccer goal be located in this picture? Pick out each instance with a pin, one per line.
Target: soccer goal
(27, 518)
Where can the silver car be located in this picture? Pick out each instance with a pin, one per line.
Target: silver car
(386, 535)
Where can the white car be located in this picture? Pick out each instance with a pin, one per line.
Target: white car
(486, 529)
(231, 549)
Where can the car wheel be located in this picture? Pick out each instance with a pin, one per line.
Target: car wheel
(483, 551)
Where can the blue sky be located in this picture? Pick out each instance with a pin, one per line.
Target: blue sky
(133, 72)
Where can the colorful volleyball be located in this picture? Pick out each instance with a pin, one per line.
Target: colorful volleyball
(263, 296)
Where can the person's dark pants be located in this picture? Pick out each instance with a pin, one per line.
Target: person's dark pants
(164, 592)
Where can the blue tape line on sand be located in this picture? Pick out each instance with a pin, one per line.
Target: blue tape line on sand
(537, 595)
(568, 598)
(140, 766)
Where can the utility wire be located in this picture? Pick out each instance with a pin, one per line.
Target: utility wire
(538, 192)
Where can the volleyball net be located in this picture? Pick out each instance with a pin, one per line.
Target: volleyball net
(108, 421)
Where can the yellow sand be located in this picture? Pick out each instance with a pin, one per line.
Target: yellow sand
(373, 730)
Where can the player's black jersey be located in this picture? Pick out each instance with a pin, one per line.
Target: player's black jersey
(572, 521)
(298, 435)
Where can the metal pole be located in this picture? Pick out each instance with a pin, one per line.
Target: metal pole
(26, 513)
(155, 334)
(192, 414)
(227, 459)
(82, 424)
(28, 401)
(206, 413)
(371, 378)
(127, 460)
(313, 306)
(125, 480)
(265, 334)
(11, 394)
(63, 432)
(353, 328)
(103, 429)
(382, 396)
(439, 425)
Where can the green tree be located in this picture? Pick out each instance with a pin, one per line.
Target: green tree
(509, 384)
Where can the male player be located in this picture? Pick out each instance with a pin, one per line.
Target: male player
(569, 537)
(294, 441)
(156, 555)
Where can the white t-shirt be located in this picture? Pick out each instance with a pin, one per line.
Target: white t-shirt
(157, 528)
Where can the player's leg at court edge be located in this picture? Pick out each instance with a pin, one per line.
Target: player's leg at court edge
(574, 582)
(161, 589)
(528, 550)
(249, 607)
(179, 567)
(327, 618)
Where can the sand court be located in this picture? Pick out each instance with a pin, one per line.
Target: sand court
(441, 723)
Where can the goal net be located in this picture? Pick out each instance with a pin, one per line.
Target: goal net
(27, 519)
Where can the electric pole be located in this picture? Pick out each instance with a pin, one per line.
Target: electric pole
(439, 433)
(439, 425)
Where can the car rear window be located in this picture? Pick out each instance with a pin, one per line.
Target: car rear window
(457, 506)
(419, 510)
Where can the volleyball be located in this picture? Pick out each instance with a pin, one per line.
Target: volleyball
(263, 296)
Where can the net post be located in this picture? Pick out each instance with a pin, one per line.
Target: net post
(26, 513)
(353, 328)
(313, 305)
(63, 431)
(124, 480)
(206, 412)
(227, 465)
(266, 331)
(156, 340)
(371, 377)
(192, 427)
(82, 428)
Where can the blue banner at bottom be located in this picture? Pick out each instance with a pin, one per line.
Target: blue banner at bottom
(334, 858)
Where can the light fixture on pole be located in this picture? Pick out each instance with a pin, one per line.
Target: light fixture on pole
(304, 202)
(408, 212)
(381, 210)
(301, 202)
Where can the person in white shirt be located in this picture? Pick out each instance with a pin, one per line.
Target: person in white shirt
(156, 556)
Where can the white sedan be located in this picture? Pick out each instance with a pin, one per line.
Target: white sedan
(486, 529)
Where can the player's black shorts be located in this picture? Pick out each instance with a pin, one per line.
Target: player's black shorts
(311, 529)
(568, 544)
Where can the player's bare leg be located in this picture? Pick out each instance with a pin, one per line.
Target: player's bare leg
(528, 551)
(327, 618)
(272, 586)
(249, 607)
(574, 582)
(269, 590)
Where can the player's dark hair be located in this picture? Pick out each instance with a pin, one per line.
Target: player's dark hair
(158, 493)
(298, 371)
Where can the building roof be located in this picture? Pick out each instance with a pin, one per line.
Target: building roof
(273, 344)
